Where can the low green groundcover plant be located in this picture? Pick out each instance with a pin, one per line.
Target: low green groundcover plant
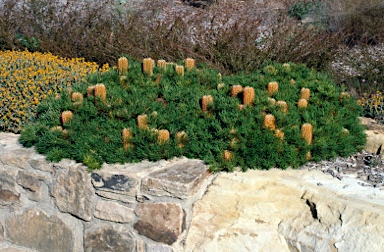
(281, 115)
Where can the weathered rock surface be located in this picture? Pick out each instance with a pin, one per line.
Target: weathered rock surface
(108, 240)
(35, 229)
(112, 211)
(16, 157)
(375, 134)
(1, 232)
(161, 222)
(181, 180)
(293, 210)
(75, 195)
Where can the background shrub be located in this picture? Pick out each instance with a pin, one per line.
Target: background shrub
(27, 78)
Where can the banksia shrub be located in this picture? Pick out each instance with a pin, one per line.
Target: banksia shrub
(127, 137)
(142, 121)
(162, 64)
(181, 138)
(283, 105)
(235, 90)
(100, 92)
(248, 96)
(269, 122)
(148, 65)
(179, 70)
(189, 63)
(307, 132)
(122, 65)
(206, 102)
(66, 116)
(302, 103)
(305, 93)
(163, 136)
(184, 106)
(273, 87)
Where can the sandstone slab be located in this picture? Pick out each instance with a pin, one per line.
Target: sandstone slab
(180, 180)
(161, 222)
(112, 211)
(121, 183)
(1, 232)
(8, 189)
(39, 162)
(37, 230)
(375, 134)
(108, 240)
(74, 192)
(293, 210)
(16, 157)
(30, 181)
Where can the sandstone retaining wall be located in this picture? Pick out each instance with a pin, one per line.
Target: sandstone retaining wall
(61, 206)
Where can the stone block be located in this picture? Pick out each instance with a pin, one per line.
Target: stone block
(112, 211)
(161, 222)
(157, 248)
(30, 181)
(114, 195)
(180, 180)
(121, 183)
(108, 239)
(1, 232)
(8, 190)
(37, 230)
(13, 250)
(16, 157)
(74, 192)
(39, 162)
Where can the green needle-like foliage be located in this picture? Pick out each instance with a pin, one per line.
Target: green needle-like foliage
(224, 135)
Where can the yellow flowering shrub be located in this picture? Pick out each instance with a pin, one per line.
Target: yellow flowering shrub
(26, 78)
(373, 106)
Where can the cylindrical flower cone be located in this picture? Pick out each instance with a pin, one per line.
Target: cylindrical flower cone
(305, 93)
(57, 128)
(279, 134)
(344, 95)
(148, 65)
(142, 121)
(307, 132)
(220, 86)
(271, 101)
(269, 122)
(100, 92)
(127, 136)
(163, 136)
(273, 87)
(206, 101)
(162, 64)
(90, 91)
(236, 89)
(179, 70)
(308, 156)
(227, 155)
(189, 63)
(181, 138)
(219, 77)
(302, 103)
(77, 97)
(248, 96)
(66, 116)
(122, 65)
(283, 105)
(124, 81)
(292, 82)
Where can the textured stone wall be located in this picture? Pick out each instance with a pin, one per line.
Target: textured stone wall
(61, 206)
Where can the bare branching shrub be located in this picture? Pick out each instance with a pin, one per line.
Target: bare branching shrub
(229, 36)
